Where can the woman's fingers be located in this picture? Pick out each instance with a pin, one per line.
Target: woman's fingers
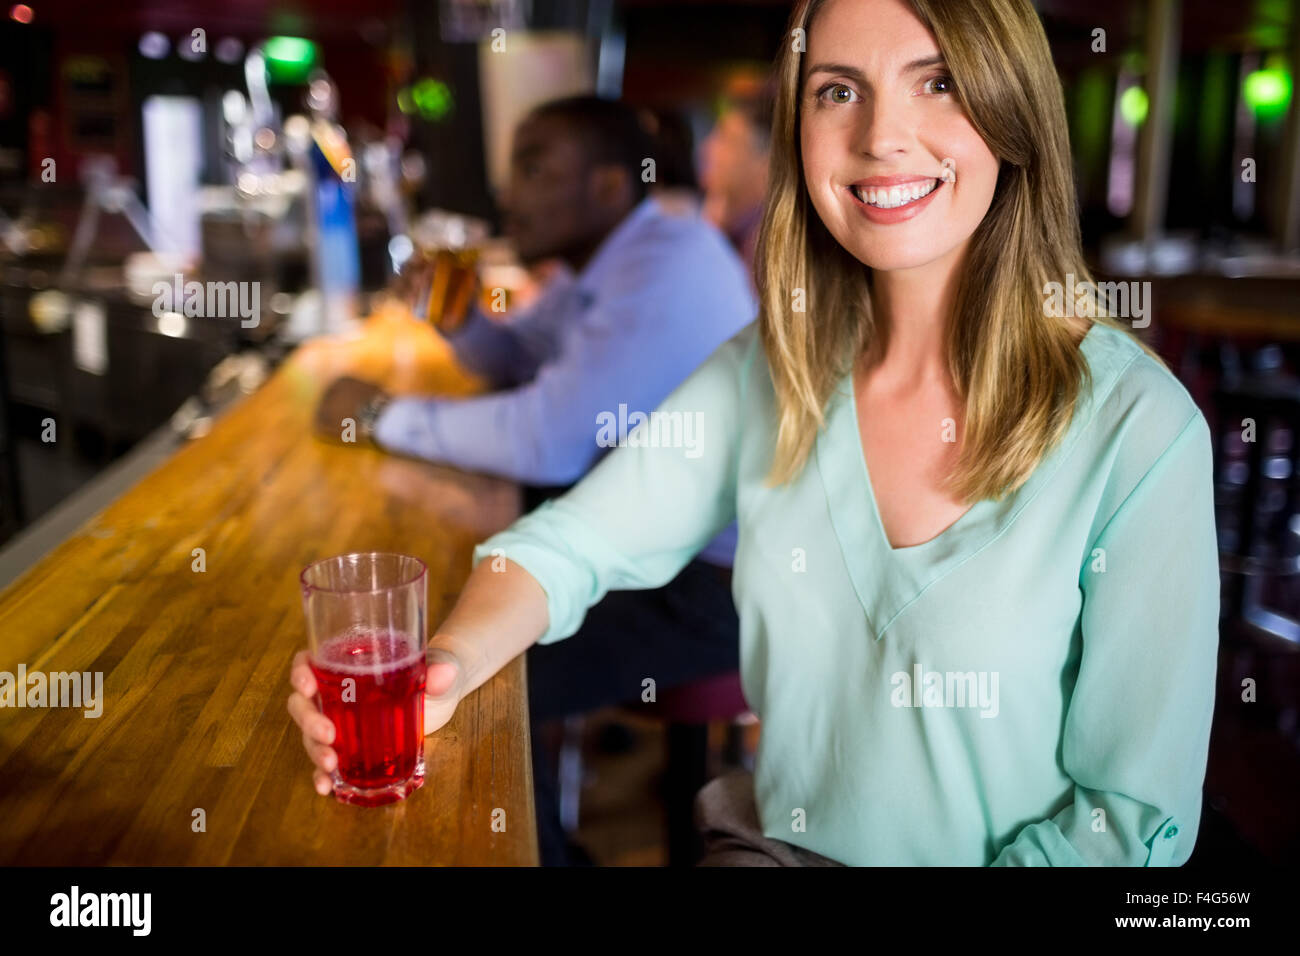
(442, 688)
(321, 754)
(437, 711)
(313, 723)
(302, 706)
(441, 678)
(300, 675)
(323, 783)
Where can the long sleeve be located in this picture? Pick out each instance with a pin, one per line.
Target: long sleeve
(637, 518)
(509, 353)
(1137, 726)
(638, 339)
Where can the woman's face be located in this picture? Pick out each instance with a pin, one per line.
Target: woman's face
(878, 118)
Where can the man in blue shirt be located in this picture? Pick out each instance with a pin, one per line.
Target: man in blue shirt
(652, 291)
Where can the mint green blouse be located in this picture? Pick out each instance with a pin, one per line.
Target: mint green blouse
(1033, 686)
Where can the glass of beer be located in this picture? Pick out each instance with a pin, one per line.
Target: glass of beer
(449, 290)
(440, 278)
(367, 636)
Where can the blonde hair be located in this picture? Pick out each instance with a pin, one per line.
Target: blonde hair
(1017, 370)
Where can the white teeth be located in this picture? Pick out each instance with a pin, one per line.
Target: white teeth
(894, 196)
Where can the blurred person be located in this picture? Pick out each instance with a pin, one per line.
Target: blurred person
(649, 292)
(734, 160)
(675, 179)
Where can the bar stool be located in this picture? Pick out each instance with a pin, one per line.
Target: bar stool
(688, 710)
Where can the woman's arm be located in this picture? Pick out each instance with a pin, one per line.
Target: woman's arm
(634, 522)
(1137, 727)
(646, 509)
(500, 613)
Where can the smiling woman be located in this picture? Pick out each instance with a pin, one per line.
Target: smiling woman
(828, 131)
(972, 84)
(976, 568)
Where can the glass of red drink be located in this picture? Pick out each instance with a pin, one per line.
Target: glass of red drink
(367, 639)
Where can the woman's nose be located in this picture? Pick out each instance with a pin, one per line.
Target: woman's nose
(883, 128)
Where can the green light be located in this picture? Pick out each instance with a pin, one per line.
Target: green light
(1133, 105)
(1268, 92)
(1091, 117)
(432, 99)
(289, 59)
(290, 50)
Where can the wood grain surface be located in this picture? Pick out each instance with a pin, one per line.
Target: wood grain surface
(195, 663)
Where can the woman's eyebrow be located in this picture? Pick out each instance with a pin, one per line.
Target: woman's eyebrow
(853, 73)
(924, 63)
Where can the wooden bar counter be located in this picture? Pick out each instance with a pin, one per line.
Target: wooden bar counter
(194, 759)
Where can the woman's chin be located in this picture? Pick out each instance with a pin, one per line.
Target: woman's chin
(894, 257)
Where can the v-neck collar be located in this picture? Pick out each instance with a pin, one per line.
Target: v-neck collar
(888, 579)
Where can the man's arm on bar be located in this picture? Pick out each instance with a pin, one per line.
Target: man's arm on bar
(544, 433)
(508, 354)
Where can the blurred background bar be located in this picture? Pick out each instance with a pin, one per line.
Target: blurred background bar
(305, 149)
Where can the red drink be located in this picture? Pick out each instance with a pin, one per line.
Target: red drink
(379, 716)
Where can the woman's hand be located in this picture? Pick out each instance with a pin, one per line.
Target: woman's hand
(444, 687)
(500, 613)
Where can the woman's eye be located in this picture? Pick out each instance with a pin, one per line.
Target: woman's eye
(938, 85)
(838, 93)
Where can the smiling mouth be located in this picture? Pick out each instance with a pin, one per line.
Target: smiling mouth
(894, 197)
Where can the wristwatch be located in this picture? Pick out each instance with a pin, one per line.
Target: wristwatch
(369, 414)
